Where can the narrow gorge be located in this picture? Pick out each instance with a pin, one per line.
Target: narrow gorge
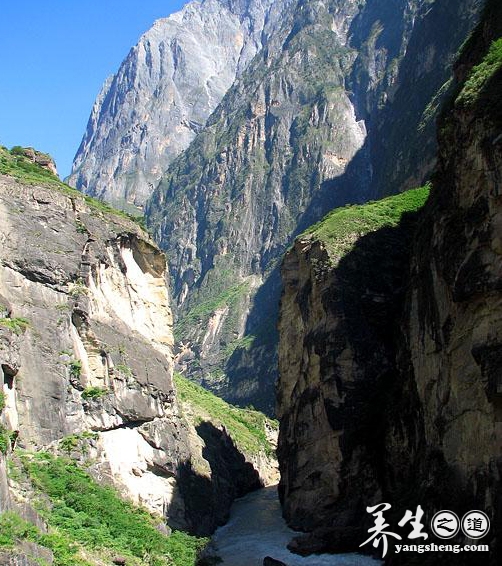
(261, 322)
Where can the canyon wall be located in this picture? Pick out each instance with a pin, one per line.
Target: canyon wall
(302, 130)
(86, 357)
(389, 351)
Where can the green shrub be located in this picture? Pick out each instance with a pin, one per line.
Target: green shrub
(81, 229)
(17, 150)
(69, 443)
(13, 529)
(94, 392)
(124, 369)
(75, 369)
(4, 439)
(2, 401)
(74, 441)
(17, 325)
(77, 288)
(95, 517)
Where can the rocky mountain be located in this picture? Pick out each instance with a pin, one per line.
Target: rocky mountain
(87, 366)
(163, 93)
(390, 334)
(315, 121)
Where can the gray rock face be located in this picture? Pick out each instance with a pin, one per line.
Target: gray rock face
(164, 92)
(402, 74)
(301, 131)
(27, 554)
(86, 355)
(339, 106)
(342, 289)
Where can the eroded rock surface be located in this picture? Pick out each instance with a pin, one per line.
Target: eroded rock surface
(389, 353)
(303, 129)
(86, 355)
(164, 92)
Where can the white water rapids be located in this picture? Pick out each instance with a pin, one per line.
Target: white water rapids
(256, 529)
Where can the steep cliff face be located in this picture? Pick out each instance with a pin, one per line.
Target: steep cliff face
(399, 80)
(453, 318)
(86, 353)
(229, 204)
(344, 281)
(389, 352)
(86, 293)
(288, 143)
(164, 92)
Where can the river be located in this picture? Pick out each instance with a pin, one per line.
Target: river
(256, 529)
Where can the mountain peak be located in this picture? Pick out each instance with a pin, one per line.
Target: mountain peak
(162, 95)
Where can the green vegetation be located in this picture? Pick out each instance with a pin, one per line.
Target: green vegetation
(75, 369)
(243, 343)
(77, 288)
(340, 229)
(17, 150)
(433, 107)
(81, 229)
(4, 439)
(94, 392)
(86, 519)
(13, 528)
(124, 369)
(2, 401)
(245, 426)
(75, 442)
(7, 438)
(481, 74)
(15, 164)
(17, 325)
(202, 311)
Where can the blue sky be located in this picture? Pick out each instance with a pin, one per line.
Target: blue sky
(55, 56)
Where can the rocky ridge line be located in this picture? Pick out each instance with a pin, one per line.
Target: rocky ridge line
(163, 93)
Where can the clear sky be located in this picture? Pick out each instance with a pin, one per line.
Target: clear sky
(55, 55)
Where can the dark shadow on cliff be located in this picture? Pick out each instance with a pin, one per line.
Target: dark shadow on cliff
(207, 498)
(255, 367)
(373, 172)
(399, 153)
(385, 455)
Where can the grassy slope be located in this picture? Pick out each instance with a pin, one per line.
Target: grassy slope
(340, 229)
(481, 74)
(245, 426)
(29, 173)
(89, 523)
